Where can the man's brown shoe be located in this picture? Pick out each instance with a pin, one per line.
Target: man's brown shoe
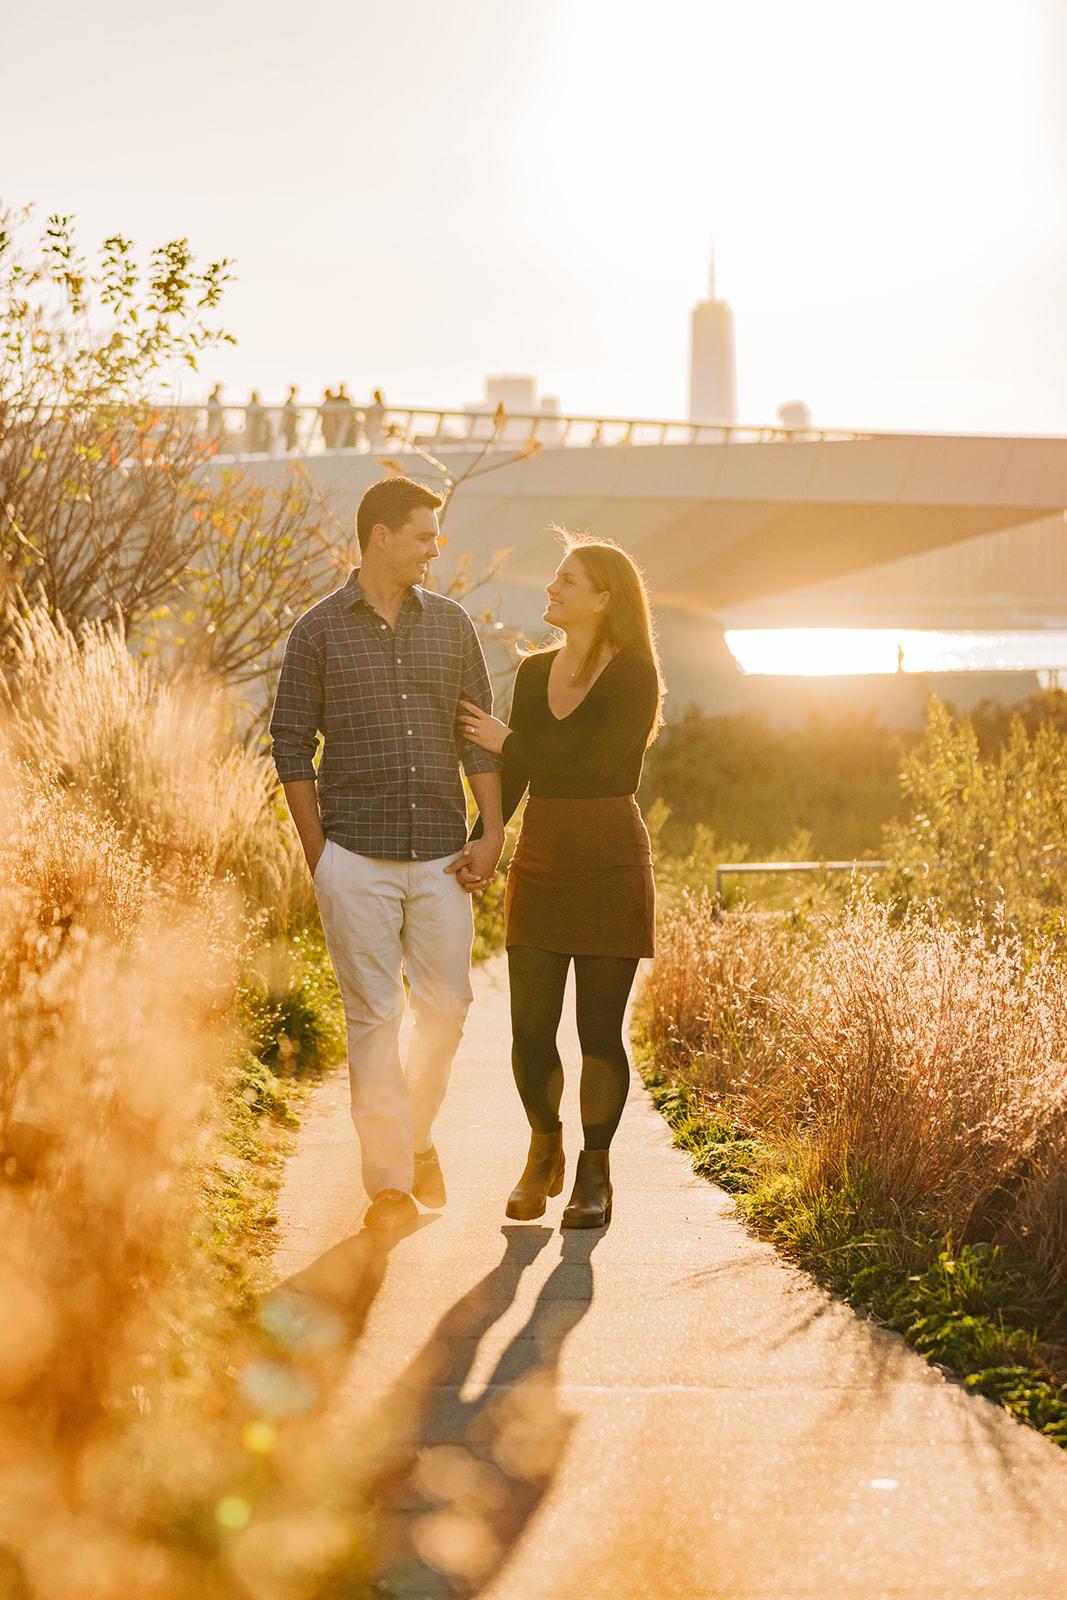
(390, 1211)
(428, 1185)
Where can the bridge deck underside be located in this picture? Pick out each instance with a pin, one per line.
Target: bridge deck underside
(723, 554)
(725, 525)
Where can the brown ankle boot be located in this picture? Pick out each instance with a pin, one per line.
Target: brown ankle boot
(542, 1176)
(590, 1203)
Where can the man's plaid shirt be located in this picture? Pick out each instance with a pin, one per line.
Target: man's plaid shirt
(385, 703)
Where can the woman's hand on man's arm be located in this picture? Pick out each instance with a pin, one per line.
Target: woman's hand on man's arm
(480, 728)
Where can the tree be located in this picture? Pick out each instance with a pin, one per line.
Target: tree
(110, 505)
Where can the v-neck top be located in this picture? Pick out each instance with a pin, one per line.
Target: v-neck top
(595, 751)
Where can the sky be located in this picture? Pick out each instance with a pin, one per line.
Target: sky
(418, 196)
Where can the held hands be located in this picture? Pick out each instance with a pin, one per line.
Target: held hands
(475, 866)
(479, 728)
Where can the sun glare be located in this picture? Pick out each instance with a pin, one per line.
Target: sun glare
(828, 652)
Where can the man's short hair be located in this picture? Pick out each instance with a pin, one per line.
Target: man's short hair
(392, 500)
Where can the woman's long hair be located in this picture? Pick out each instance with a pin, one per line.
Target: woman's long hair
(626, 621)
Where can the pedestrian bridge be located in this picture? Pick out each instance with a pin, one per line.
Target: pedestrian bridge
(719, 515)
(340, 426)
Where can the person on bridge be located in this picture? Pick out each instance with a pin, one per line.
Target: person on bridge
(216, 418)
(259, 439)
(327, 421)
(378, 669)
(291, 419)
(580, 886)
(375, 416)
(345, 417)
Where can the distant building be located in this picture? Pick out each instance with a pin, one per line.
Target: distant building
(796, 416)
(517, 393)
(712, 362)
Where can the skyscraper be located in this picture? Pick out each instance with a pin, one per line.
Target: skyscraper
(712, 364)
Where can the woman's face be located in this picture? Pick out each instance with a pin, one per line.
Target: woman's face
(572, 600)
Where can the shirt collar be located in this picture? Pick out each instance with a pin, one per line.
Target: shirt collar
(354, 596)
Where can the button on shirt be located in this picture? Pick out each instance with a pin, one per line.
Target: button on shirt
(385, 702)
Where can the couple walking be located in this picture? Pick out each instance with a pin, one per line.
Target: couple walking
(391, 676)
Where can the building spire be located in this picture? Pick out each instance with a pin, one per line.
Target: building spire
(712, 359)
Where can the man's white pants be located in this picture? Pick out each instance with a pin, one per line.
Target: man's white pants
(382, 918)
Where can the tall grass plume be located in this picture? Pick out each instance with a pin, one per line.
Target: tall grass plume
(145, 876)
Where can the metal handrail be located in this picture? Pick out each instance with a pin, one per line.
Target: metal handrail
(333, 426)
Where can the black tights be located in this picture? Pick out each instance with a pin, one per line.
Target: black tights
(602, 988)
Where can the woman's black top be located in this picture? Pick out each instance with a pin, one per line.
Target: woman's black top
(596, 750)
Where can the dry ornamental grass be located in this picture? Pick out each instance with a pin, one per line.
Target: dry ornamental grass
(921, 1065)
(144, 870)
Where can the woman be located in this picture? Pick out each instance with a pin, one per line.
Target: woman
(580, 885)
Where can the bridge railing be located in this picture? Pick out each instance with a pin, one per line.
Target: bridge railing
(254, 430)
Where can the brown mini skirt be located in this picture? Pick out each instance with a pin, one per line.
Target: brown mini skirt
(580, 882)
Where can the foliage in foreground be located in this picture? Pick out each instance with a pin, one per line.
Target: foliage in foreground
(89, 725)
(154, 1030)
(889, 1103)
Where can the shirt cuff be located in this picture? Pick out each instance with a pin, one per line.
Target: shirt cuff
(476, 760)
(294, 769)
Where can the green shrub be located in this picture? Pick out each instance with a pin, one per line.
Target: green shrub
(489, 920)
(984, 836)
(978, 1310)
(290, 1007)
(739, 777)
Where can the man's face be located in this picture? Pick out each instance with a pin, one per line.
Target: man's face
(410, 548)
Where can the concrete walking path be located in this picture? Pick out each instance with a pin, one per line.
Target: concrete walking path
(663, 1410)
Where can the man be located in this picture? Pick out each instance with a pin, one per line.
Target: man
(259, 438)
(345, 419)
(291, 419)
(375, 414)
(379, 668)
(216, 419)
(328, 418)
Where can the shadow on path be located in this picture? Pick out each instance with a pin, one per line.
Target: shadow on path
(323, 1308)
(310, 1323)
(456, 1479)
